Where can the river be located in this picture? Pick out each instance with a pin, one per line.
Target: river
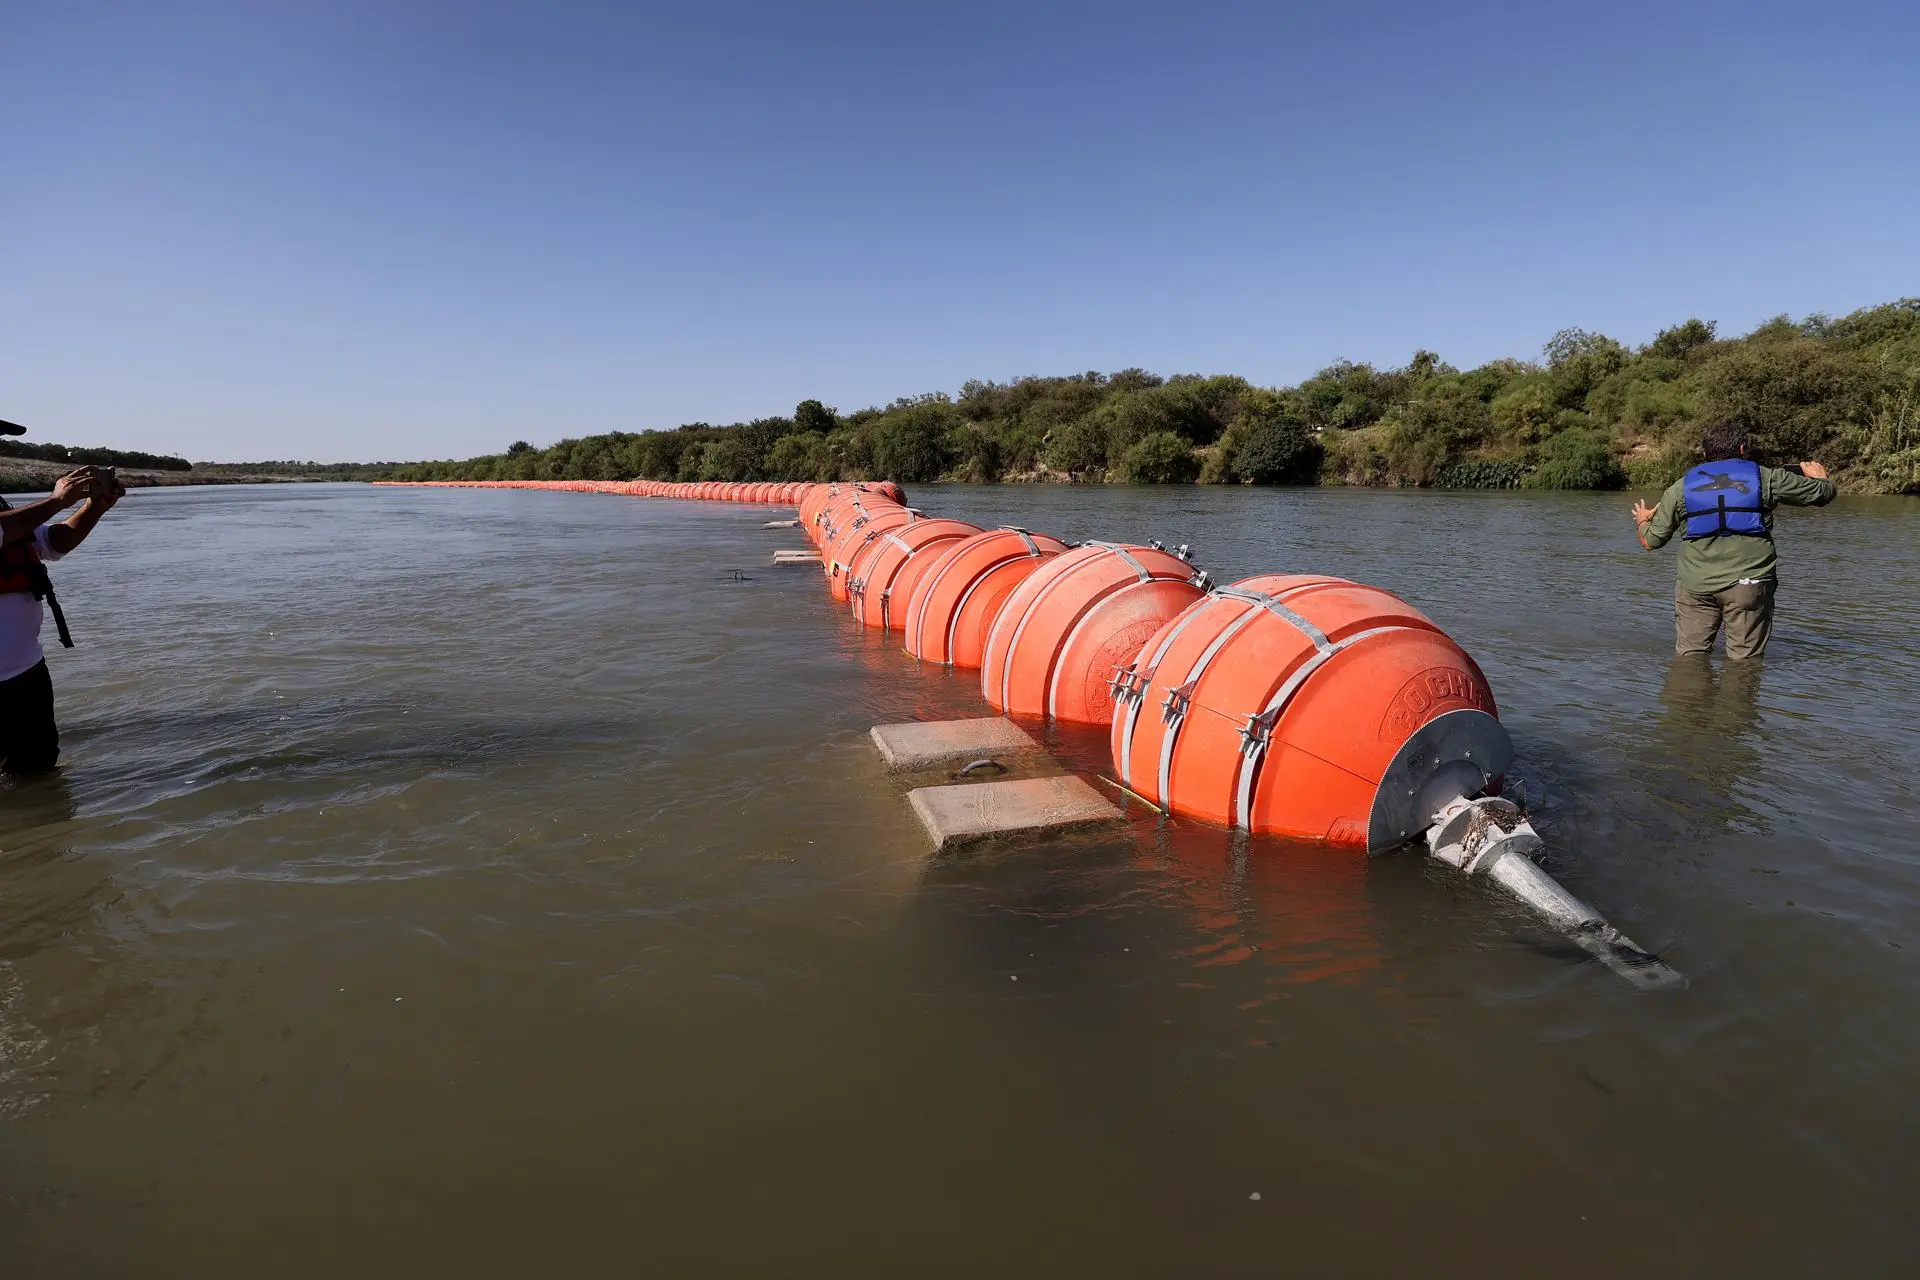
(488, 883)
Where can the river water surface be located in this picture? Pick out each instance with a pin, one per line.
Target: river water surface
(485, 883)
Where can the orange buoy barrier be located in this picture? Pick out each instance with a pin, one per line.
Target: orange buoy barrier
(881, 586)
(954, 604)
(1081, 616)
(1306, 706)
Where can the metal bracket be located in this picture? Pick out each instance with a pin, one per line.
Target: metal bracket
(1257, 732)
(1178, 700)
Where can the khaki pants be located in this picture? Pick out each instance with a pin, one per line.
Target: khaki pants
(1745, 608)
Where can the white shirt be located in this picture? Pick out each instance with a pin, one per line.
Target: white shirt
(21, 617)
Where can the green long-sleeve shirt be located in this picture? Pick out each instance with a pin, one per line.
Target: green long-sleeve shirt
(1708, 565)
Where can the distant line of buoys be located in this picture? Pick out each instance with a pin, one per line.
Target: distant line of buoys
(1296, 705)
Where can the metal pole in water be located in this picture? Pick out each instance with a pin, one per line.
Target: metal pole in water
(1490, 837)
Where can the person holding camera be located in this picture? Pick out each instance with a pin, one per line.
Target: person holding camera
(29, 537)
(1723, 510)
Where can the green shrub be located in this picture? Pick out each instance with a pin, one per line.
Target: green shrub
(1578, 459)
(1482, 475)
(1272, 443)
(1161, 458)
(1657, 470)
(1079, 448)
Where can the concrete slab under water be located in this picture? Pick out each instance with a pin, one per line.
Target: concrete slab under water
(964, 814)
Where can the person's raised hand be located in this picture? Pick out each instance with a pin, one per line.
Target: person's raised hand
(1642, 512)
(73, 486)
(1813, 470)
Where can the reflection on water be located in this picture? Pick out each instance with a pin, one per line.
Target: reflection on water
(1306, 916)
(1702, 754)
(523, 896)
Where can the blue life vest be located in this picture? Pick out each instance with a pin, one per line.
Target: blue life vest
(1724, 498)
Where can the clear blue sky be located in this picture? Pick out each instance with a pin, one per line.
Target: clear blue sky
(358, 230)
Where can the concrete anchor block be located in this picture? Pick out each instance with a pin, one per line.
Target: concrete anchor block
(781, 524)
(796, 557)
(964, 814)
(922, 744)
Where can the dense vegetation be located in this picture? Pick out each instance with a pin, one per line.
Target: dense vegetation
(1592, 413)
(303, 470)
(77, 456)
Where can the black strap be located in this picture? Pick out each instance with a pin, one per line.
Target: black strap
(43, 590)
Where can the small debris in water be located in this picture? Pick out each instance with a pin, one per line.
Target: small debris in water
(1254, 1196)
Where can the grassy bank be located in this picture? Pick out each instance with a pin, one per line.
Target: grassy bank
(19, 475)
(1589, 413)
(33, 468)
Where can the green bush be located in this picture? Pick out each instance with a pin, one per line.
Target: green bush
(1161, 458)
(1578, 459)
(1481, 475)
(1079, 448)
(1657, 470)
(910, 444)
(1272, 443)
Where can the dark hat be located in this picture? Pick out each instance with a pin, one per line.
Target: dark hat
(12, 429)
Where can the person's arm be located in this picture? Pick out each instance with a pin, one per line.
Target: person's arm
(18, 523)
(67, 534)
(1655, 525)
(1809, 489)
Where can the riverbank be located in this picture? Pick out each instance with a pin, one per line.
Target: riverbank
(30, 475)
(1590, 412)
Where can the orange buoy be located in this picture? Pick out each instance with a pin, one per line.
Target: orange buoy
(841, 557)
(879, 590)
(1310, 707)
(1083, 615)
(813, 504)
(848, 507)
(956, 600)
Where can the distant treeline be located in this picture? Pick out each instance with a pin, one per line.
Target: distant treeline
(1591, 413)
(96, 457)
(306, 470)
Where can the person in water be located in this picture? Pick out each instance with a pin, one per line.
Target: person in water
(29, 738)
(1723, 510)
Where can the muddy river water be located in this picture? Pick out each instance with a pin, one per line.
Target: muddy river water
(486, 883)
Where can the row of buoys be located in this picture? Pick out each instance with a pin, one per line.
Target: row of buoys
(1304, 706)
(776, 493)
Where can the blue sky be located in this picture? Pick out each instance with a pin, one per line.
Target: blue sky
(354, 230)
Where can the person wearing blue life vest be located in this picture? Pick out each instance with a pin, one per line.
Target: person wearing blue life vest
(1723, 511)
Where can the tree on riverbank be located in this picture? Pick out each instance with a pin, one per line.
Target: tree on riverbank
(1592, 412)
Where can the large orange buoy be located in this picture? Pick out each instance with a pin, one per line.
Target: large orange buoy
(956, 600)
(1306, 706)
(848, 508)
(813, 504)
(840, 559)
(878, 590)
(1063, 632)
(836, 514)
